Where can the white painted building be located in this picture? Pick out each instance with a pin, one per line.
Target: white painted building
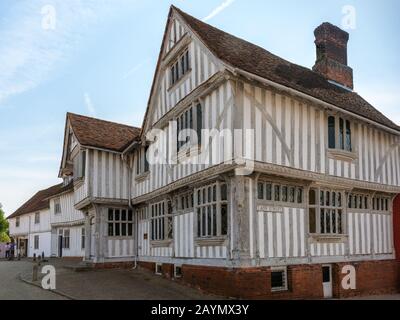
(302, 183)
(30, 225)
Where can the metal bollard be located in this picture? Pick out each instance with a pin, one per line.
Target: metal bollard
(35, 270)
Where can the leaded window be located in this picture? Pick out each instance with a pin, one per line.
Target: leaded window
(120, 222)
(180, 67)
(339, 134)
(358, 201)
(212, 210)
(191, 119)
(380, 203)
(161, 221)
(280, 193)
(326, 210)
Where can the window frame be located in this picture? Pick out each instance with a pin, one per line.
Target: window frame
(285, 286)
(17, 222)
(358, 202)
(57, 206)
(184, 202)
(211, 212)
(180, 67)
(190, 119)
(142, 163)
(161, 221)
(117, 223)
(327, 206)
(270, 188)
(344, 139)
(178, 274)
(381, 204)
(36, 242)
(66, 239)
(158, 269)
(37, 218)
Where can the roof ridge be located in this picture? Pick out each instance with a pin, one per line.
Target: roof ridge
(102, 120)
(239, 38)
(36, 202)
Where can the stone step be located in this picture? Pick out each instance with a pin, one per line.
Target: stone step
(81, 267)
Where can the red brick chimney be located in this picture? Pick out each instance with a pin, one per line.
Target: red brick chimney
(331, 43)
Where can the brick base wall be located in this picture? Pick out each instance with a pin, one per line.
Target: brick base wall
(396, 226)
(373, 278)
(255, 283)
(114, 265)
(304, 281)
(74, 259)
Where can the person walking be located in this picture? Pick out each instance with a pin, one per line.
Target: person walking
(7, 250)
(12, 250)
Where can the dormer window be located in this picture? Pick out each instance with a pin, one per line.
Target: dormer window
(180, 67)
(339, 134)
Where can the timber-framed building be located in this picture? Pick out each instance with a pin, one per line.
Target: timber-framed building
(304, 184)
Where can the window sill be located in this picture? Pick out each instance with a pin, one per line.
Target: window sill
(161, 243)
(119, 237)
(279, 290)
(205, 242)
(327, 238)
(338, 154)
(142, 176)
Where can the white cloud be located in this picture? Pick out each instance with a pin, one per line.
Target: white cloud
(29, 53)
(89, 104)
(218, 9)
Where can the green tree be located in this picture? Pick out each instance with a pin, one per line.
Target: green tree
(3, 226)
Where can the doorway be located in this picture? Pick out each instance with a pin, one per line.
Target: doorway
(60, 246)
(327, 281)
(23, 247)
(92, 237)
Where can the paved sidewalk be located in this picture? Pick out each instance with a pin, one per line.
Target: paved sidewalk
(12, 288)
(117, 284)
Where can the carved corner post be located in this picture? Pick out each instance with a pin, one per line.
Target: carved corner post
(99, 235)
(240, 219)
(88, 236)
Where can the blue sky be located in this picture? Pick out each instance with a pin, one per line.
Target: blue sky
(99, 60)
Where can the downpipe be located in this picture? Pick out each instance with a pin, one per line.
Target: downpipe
(130, 170)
